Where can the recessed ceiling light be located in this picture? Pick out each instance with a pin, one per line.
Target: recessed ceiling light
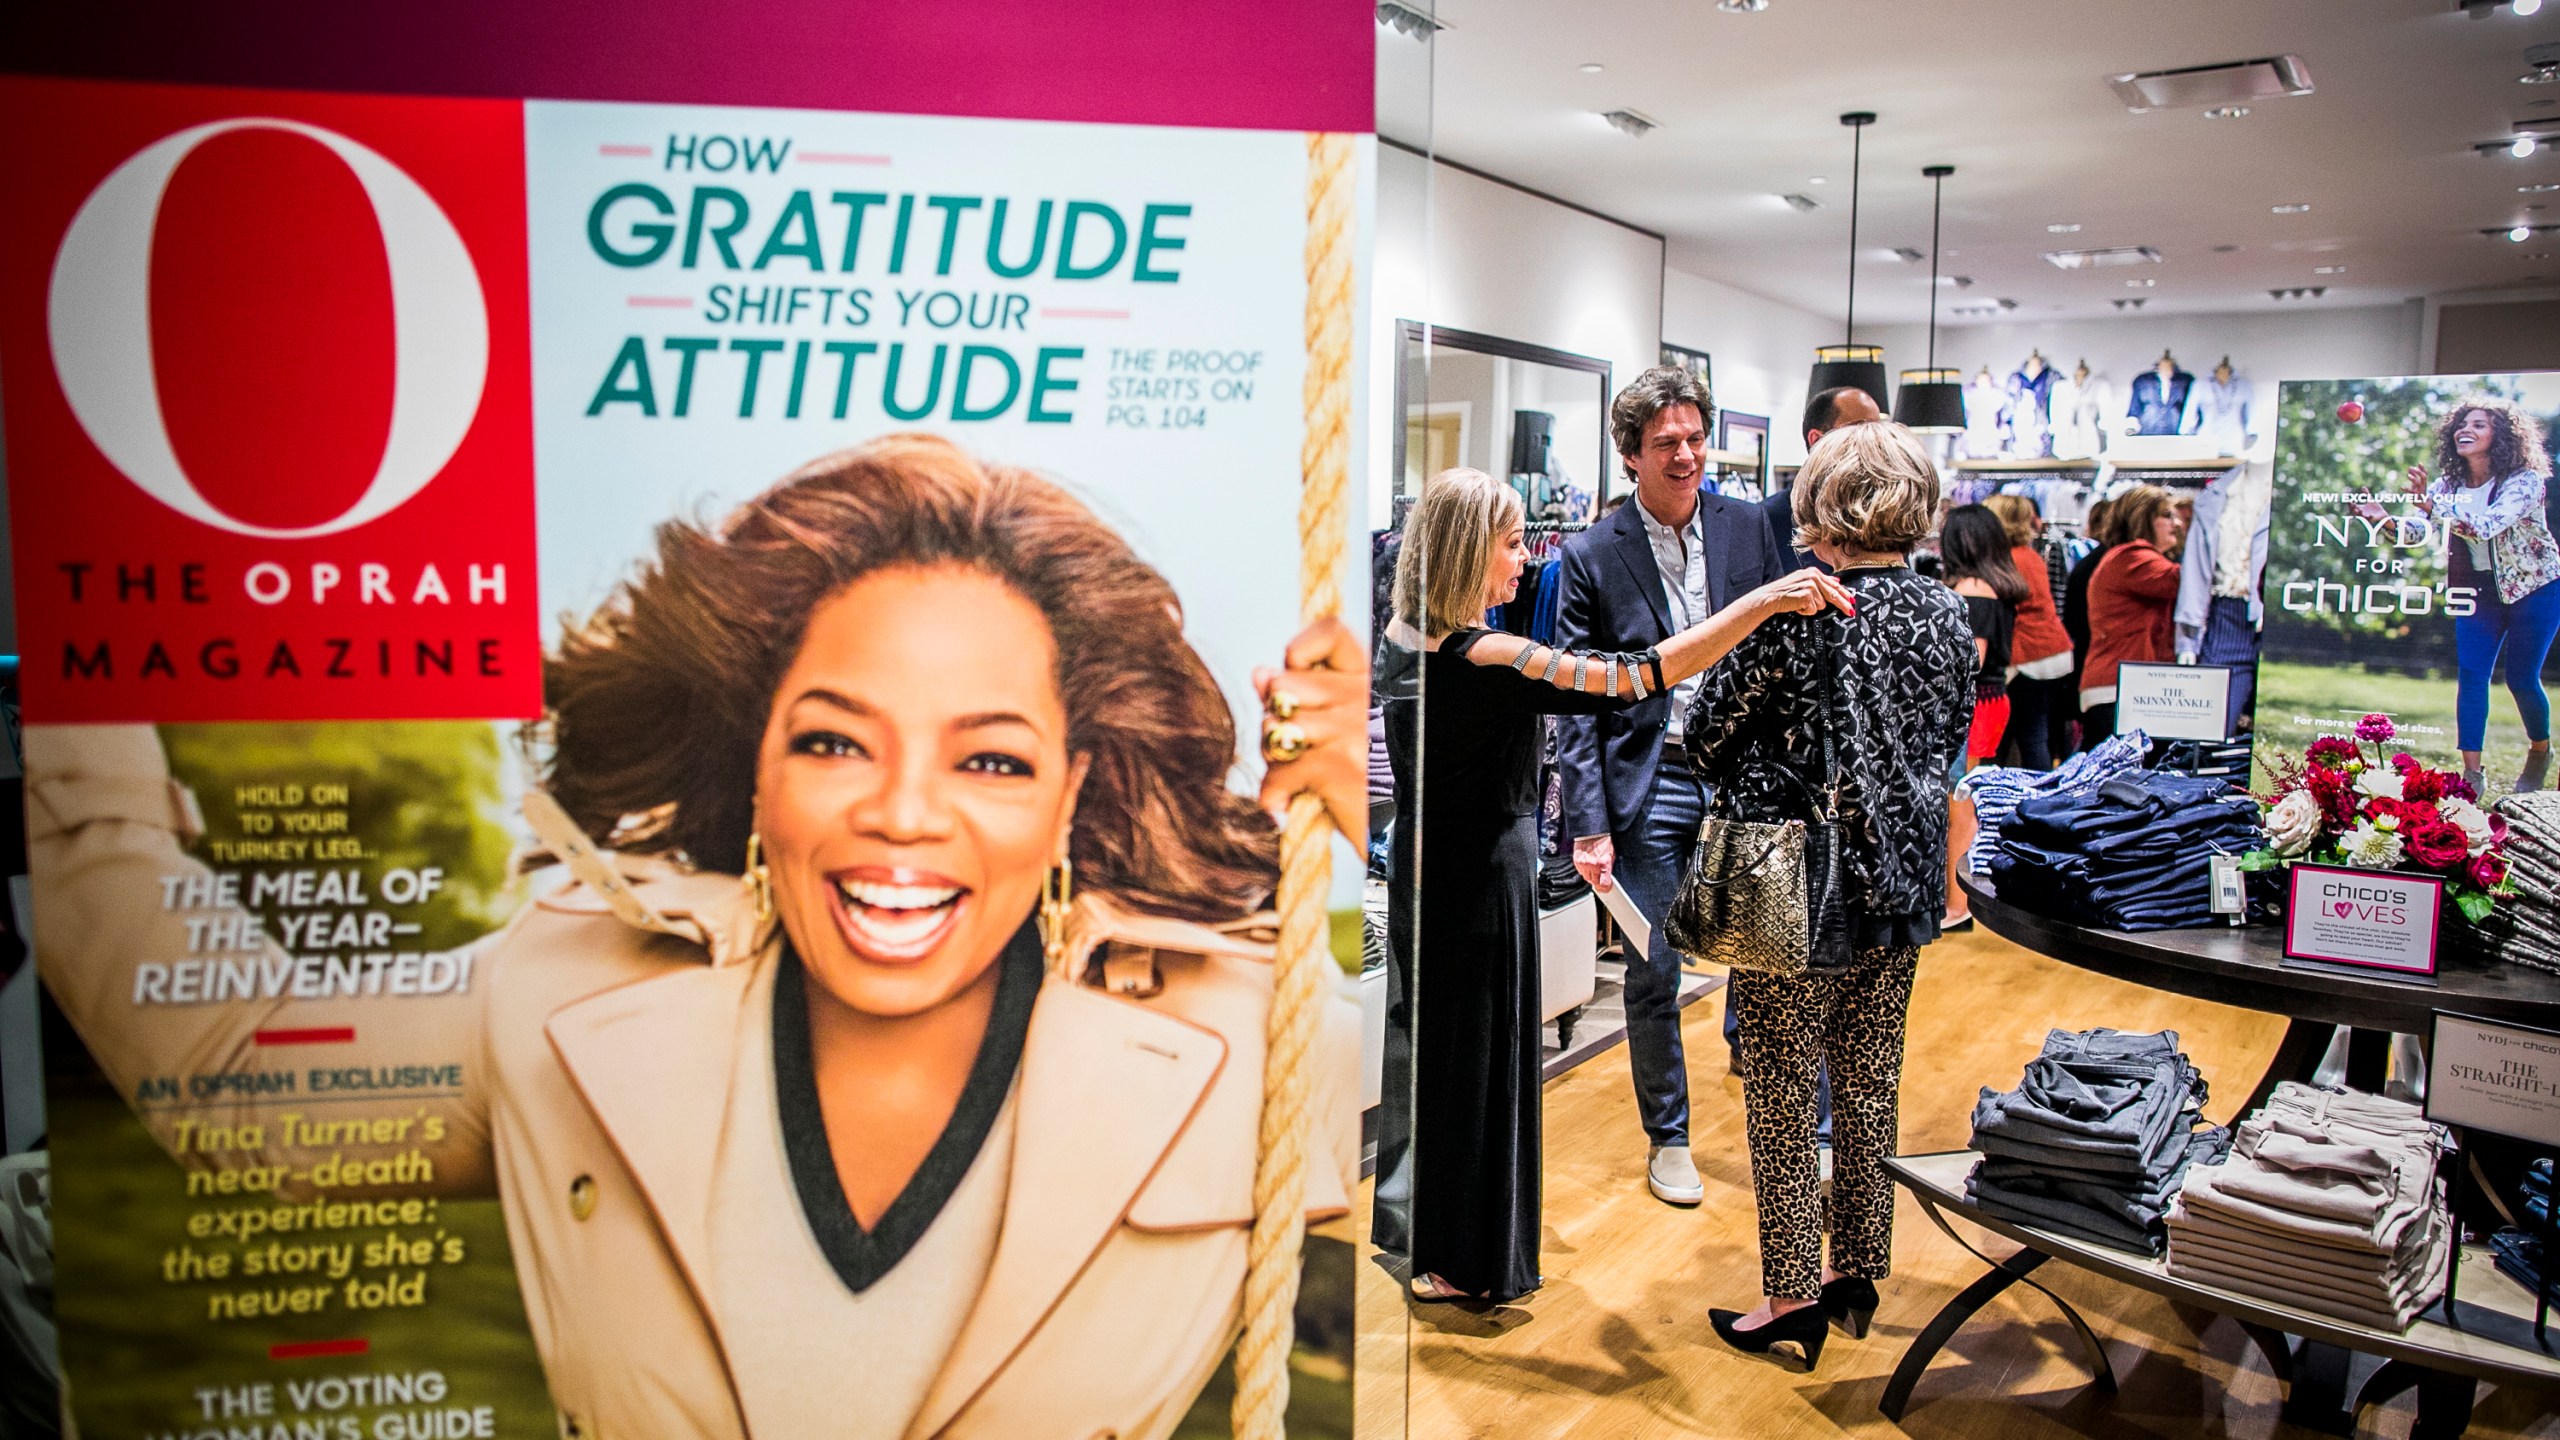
(2297, 208)
(1907, 255)
(1802, 202)
(2086, 259)
(2523, 147)
(2226, 112)
(2062, 229)
(1632, 122)
(2520, 234)
(2525, 7)
(1818, 180)
(2542, 189)
(1742, 7)
(2328, 269)
(2226, 249)
(2540, 75)
(2143, 284)
(1591, 67)
(2535, 255)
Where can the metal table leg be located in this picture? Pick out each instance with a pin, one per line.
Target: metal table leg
(2317, 1398)
(1942, 1327)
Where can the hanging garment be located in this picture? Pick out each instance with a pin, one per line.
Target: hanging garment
(1986, 416)
(2221, 411)
(2078, 409)
(2030, 422)
(2226, 551)
(2159, 409)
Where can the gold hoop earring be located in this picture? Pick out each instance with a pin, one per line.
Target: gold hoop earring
(1057, 900)
(759, 879)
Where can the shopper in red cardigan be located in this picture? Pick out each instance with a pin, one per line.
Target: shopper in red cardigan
(2131, 597)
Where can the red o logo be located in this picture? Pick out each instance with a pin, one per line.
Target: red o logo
(99, 321)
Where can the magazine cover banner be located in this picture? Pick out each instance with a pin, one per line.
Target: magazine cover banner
(2410, 570)
(553, 631)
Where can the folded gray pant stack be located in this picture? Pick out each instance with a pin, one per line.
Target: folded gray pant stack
(2328, 1203)
(2527, 923)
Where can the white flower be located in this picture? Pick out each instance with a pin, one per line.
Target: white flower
(2379, 783)
(2293, 825)
(2473, 820)
(2371, 847)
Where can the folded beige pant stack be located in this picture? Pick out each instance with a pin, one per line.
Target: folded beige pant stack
(2328, 1203)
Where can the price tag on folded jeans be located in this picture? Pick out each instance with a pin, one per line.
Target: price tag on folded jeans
(2230, 895)
(2363, 920)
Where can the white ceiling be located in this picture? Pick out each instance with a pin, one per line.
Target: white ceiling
(2013, 94)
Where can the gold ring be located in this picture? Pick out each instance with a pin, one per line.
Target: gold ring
(1280, 704)
(1283, 741)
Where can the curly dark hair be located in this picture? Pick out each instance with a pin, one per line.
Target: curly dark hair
(658, 703)
(1648, 395)
(2515, 441)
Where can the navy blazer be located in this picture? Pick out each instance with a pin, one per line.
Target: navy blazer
(1610, 597)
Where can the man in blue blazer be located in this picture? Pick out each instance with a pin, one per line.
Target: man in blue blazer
(1667, 559)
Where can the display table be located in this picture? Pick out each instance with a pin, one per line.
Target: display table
(2245, 967)
(2485, 1333)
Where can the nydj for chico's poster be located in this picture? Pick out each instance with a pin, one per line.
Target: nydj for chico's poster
(550, 630)
(2411, 570)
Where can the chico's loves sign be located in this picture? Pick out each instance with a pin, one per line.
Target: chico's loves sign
(2363, 919)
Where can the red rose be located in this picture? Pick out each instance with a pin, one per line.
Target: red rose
(2330, 750)
(2436, 845)
(2488, 870)
(2422, 785)
(2459, 788)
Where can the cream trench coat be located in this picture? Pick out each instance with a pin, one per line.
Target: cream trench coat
(597, 1059)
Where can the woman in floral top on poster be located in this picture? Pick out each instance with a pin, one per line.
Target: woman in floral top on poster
(2488, 491)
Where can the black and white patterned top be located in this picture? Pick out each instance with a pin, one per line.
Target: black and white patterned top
(1902, 702)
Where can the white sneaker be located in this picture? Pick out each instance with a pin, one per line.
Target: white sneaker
(1673, 1176)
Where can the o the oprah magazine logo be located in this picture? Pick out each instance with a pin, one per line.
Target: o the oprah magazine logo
(102, 306)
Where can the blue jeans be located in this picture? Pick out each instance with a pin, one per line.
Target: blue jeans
(2524, 630)
(1652, 855)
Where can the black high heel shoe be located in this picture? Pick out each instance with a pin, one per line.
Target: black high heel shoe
(1850, 1303)
(1805, 1328)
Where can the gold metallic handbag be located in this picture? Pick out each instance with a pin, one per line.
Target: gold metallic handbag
(1742, 902)
(1765, 896)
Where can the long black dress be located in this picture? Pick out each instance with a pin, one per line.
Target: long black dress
(1471, 1175)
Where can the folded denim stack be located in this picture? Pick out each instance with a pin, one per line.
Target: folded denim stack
(2328, 1203)
(1997, 790)
(2095, 1140)
(2135, 853)
(2527, 923)
(2519, 1255)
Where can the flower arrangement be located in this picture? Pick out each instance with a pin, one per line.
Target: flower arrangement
(2338, 805)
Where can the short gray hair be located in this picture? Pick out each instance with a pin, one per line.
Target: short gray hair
(1648, 395)
(1448, 549)
(1868, 487)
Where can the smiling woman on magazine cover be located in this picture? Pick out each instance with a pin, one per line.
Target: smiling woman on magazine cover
(890, 1063)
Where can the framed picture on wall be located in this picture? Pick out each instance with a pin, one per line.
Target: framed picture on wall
(1693, 361)
(1746, 435)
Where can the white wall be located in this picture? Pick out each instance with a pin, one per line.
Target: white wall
(1762, 351)
(1458, 250)
(2265, 346)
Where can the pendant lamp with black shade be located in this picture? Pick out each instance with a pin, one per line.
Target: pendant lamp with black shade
(1932, 400)
(1850, 363)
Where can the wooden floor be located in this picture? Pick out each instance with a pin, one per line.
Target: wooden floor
(1617, 1344)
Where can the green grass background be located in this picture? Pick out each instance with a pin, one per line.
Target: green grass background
(2298, 704)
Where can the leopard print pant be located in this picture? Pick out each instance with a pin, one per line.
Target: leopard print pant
(1789, 1027)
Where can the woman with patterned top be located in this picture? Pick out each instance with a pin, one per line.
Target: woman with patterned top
(1873, 711)
(1458, 1149)
(2491, 474)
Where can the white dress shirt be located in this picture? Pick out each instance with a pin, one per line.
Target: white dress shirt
(1680, 554)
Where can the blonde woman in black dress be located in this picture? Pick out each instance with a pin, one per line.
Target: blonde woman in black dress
(1465, 949)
